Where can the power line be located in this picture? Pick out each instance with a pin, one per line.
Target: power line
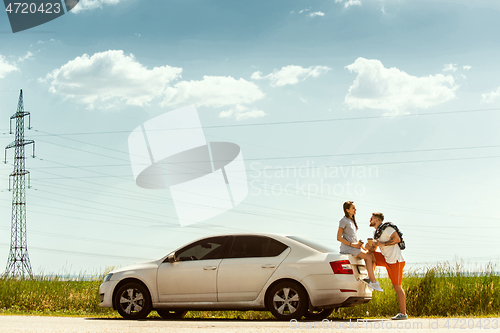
(395, 207)
(86, 254)
(351, 164)
(130, 180)
(94, 240)
(277, 157)
(224, 126)
(321, 166)
(423, 114)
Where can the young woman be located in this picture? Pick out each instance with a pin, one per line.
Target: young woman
(349, 243)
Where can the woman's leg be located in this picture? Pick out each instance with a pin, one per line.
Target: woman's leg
(367, 257)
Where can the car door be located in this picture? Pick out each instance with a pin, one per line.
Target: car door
(192, 277)
(248, 266)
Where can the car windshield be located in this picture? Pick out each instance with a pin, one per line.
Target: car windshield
(315, 245)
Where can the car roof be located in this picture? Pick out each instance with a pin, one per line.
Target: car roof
(268, 234)
(287, 239)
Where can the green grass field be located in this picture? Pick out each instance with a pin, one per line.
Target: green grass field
(442, 290)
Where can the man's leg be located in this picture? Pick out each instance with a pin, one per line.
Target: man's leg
(379, 260)
(401, 298)
(396, 275)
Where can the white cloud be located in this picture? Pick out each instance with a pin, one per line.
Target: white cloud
(42, 42)
(393, 90)
(240, 112)
(316, 14)
(467, 67)
(84, 5)
(352, 3)
(109, 77)
(491, 96)
(450, 68)
(5, 67)
(27, 56)
(349, 3)
(212, 91)
(256, 75)
(291, 74)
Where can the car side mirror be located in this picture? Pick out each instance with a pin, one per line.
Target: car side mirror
(171, 257)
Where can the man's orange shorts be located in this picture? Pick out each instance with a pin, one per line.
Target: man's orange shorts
(395, 271)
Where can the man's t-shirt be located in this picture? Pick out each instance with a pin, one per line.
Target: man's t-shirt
(391, 253)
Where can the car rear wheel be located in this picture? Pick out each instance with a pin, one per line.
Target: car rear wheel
(133, 301)
(318, 314)
(287, 300)
(171, 314)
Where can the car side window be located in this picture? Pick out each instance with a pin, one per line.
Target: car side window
(275, 248)
(255, 247)
(205, 249)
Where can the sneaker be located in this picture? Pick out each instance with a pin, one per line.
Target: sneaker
(400, 316)
(375, 286)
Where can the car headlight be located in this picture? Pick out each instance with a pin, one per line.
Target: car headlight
(108, 277)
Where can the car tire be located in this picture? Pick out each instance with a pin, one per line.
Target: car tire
(132, 301)
(318, 315)
(287, 300)
(171, 314)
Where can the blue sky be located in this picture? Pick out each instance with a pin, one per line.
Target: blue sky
(391, 104)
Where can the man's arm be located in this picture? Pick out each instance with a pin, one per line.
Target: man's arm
(370, 248)
(392, 241)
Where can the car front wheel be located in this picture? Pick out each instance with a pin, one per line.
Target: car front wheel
(287, 300)
(133, 301)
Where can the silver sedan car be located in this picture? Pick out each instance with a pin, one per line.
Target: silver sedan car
(289, 276)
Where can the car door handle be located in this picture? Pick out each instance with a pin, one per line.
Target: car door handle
(210, 268)
(268, 266)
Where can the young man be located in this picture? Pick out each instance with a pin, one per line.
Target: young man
(391, 258)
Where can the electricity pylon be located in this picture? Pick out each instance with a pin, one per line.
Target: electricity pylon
(18, 263)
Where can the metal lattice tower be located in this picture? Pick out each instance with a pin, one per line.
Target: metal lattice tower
(18, 263)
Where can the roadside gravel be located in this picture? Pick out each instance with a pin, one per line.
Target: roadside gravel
(35, 324)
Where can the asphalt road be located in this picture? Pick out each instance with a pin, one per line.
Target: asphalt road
(34, 324)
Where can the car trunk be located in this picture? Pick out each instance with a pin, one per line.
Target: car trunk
(358, 267)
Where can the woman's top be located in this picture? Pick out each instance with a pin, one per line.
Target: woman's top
(350, 235)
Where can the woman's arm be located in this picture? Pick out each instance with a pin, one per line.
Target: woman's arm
(340, 238)
(345, 241)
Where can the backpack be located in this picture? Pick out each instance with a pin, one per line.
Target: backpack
(381, 229)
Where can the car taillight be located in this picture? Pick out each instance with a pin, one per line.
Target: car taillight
(341, 267)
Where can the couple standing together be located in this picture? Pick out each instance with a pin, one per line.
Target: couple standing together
(390, 255)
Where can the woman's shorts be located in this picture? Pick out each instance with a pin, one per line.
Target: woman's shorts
(351, 250)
